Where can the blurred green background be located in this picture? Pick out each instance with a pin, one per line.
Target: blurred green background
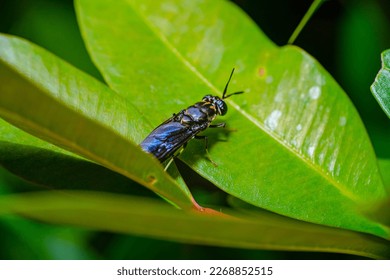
(346, 37)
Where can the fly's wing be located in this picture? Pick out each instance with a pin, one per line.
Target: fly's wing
(167, 138)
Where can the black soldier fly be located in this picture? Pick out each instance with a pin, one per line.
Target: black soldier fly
(166, 139)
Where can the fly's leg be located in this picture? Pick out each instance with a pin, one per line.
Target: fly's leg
(174, 156)
(169, 163)
(222, 125)
(206, 140)
(218, 125)
(206, 147)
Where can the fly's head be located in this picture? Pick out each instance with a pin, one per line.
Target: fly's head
(220, 105)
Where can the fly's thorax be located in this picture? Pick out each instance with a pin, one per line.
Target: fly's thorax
(199, 113)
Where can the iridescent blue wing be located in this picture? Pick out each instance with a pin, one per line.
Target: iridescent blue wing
(167, 138)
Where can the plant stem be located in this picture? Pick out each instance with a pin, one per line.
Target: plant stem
(314, 6)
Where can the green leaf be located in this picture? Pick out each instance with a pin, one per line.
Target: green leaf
(134, 216)
(297, 145)
(48, 169)
(44, 164)
(47, 165)
(381, 86)
(381, 211)
(384, 167)
(53, 100)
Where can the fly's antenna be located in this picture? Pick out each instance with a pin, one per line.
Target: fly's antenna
(226, 87)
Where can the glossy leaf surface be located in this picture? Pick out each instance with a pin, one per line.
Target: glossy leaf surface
(51, 99)
(296, 146)
(384, 167)
(134, 216)
(381, 86)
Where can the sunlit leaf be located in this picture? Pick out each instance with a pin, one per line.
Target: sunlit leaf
(53, 100)
(296, 144)
(381, 86)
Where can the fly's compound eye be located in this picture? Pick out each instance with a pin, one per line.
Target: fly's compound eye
(221, 107)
